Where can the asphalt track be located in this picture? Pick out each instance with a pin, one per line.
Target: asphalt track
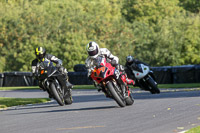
(92, 112)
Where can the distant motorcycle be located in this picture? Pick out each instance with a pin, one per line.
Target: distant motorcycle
(50, 79)
(144, 77)
(105, 75)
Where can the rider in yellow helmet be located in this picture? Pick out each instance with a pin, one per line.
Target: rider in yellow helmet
(41, 56)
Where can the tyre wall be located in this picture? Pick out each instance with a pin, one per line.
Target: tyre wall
(164, 75)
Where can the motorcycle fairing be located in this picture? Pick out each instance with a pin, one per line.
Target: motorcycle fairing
(100, 72)
(140, 74)
(137, 67)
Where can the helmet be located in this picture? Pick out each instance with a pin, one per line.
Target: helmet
(129, 59)
(40, 52)
(92, 49)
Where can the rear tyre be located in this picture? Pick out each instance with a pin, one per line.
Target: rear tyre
(56, 96)
(115, 95)
(68, 101)
(68, 98)
(153, 85)
(129, 100)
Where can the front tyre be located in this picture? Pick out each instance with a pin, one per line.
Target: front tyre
(56, 96)
(153, 85)
(115, 95)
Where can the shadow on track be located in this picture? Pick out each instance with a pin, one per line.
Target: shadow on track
(163, 95)
(53, 103)
(71, 110)
(99, 98)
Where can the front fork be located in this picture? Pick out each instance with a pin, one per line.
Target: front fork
(120, 89)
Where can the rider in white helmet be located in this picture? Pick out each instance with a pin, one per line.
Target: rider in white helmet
(94, 51)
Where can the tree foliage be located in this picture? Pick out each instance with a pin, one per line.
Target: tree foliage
(164, 32)
(158, 32)
(191, 5)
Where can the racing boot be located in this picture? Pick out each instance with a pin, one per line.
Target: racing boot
(65, 75)
(129, 81)
(68, 84)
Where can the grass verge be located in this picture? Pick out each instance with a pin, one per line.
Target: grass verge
(19, 88)
(194, 130)
(188, 85)
(8, 102)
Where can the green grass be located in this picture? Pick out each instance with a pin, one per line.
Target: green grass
(19, 88)
(8, 102)
(36, 87)
(189, 85)
(194, 130)
(84, 87)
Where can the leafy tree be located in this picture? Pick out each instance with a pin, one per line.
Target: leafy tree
(191, 5)
(158, 32)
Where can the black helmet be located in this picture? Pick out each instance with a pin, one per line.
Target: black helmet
(40, 52)
(129, 59)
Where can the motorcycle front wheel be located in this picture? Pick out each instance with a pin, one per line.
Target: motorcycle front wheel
(56, 96)
(153, 85)
(115, 95)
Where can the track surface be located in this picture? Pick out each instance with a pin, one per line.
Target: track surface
(92, 112)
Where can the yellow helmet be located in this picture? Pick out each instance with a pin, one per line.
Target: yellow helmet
(40, 52)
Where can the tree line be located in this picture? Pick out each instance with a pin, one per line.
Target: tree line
(158, 32)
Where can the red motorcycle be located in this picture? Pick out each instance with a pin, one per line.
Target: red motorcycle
(107, 77)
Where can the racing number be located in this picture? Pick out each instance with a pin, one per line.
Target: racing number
(98, 71)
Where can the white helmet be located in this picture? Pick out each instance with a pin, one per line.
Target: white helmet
(93, 49)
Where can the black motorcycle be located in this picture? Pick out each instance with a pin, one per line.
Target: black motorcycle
(144, 77)
(54, 83)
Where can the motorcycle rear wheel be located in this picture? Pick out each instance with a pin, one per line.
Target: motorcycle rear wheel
(56, 96)
(115, 95)
(129, 100)
(68, 99)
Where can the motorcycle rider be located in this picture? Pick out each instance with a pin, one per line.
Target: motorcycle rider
(41, 55)
(94, 51)
(131, 62)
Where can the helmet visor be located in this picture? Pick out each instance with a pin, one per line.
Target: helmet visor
(129, 59)
(93, 53)
(40, 56)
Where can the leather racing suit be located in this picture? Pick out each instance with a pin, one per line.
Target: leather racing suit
(64, 80)
(114, 60)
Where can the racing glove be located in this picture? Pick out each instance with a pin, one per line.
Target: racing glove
(114, 63)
